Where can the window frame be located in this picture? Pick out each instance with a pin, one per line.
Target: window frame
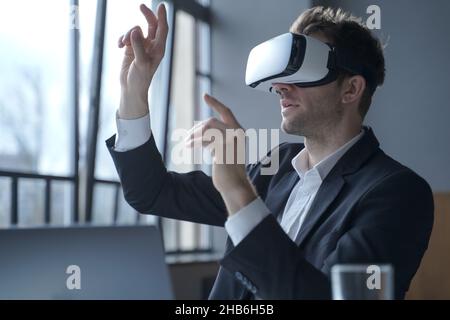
(83, 180)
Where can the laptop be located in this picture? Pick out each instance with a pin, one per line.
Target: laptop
(124, 262)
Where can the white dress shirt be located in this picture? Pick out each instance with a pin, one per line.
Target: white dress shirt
(134, 133)
(299, 202)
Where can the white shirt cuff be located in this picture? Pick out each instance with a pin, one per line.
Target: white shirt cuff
(240, 224)
(132, 133)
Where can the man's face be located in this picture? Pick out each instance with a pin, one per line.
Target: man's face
(305, 111)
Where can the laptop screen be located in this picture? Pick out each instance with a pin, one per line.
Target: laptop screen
(125, 262)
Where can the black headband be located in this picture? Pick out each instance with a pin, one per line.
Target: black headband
(343, 59)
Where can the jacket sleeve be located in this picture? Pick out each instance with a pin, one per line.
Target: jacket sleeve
(150, 189)
(391, 223)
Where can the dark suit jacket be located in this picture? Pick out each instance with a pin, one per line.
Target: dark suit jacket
(369, 209)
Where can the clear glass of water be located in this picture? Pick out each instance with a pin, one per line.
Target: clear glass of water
(362, 282)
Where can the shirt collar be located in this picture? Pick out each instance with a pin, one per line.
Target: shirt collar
(301, 162)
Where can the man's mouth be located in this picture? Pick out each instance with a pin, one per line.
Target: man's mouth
(286, 107)
(286, 103)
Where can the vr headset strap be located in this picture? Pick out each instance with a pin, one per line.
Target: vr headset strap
(341, 59)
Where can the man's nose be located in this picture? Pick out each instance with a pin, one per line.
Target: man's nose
(281, 88)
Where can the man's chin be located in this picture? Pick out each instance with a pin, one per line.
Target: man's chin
(285, 128)
(289, 128)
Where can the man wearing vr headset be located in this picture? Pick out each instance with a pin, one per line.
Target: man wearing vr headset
(336, 199)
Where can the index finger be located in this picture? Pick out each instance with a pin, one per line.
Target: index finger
(152, 21)
(224, 111)
(162, 28)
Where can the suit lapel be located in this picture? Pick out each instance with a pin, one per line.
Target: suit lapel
(278, 196)
(352, 160)
(328, 191)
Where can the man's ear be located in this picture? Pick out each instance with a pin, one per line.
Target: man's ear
(353, 88)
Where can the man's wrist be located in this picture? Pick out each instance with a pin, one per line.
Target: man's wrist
(133, 106)
(239, 197)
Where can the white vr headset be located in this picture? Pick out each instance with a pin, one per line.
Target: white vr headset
(298, 59)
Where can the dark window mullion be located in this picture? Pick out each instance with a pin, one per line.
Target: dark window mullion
(171, 38)
(75, 100)
(168, 79)
(94, 108)
(194, 8)
(48, 199)
(116, 204)
(14, 201)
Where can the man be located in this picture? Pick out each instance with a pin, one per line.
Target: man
(337, 198)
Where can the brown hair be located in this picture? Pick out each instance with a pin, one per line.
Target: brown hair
(344, 30)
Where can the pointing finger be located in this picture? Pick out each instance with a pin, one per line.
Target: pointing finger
(225, 113)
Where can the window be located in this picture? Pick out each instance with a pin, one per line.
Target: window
(190, 79)
(120, 17)
(35, 110)
(34, 87)
(57, 107)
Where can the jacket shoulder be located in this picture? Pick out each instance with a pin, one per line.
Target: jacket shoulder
(393, 168)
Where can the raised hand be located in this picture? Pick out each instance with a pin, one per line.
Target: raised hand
(140, 62)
